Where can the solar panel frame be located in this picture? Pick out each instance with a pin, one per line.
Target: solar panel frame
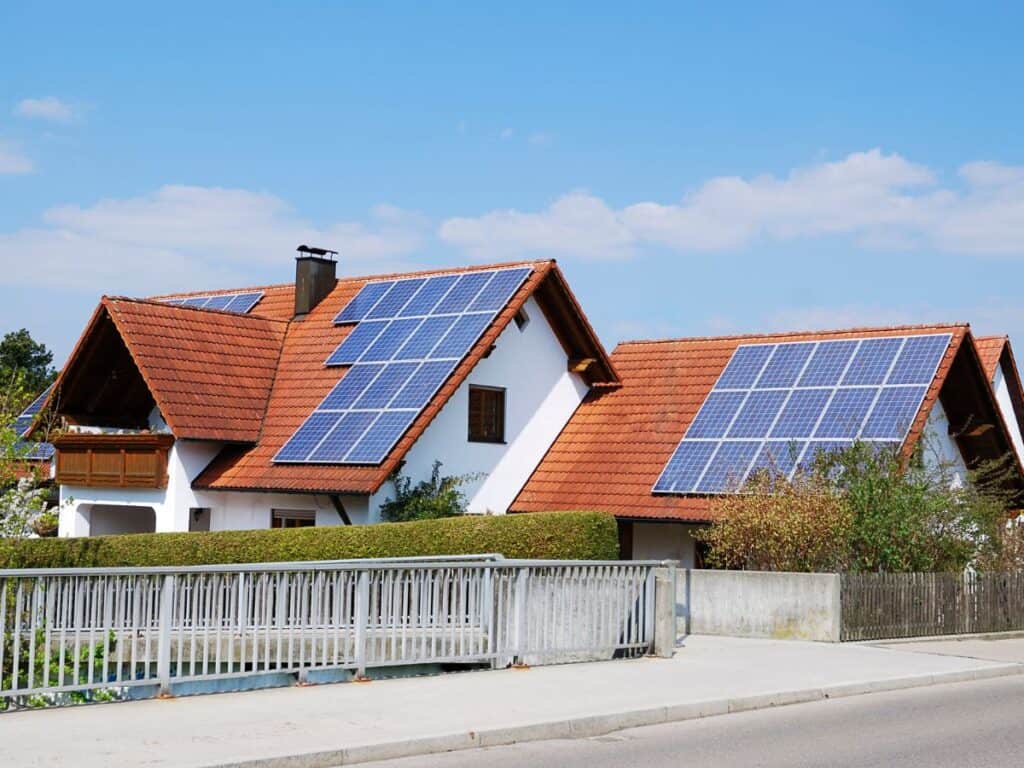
(236, 303)
(827, 407)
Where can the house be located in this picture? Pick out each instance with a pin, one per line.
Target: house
(292, 405)
(695, 416)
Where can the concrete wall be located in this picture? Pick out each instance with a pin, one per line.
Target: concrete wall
(784, 606)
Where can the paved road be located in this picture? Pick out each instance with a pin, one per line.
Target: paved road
(964, 725)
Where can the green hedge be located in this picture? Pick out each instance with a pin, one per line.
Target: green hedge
(548, 536)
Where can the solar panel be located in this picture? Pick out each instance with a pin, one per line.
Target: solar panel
(239, 303)
(409, 336)
(776, 406)
(23, 423)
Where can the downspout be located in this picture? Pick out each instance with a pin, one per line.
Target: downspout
(340, 508)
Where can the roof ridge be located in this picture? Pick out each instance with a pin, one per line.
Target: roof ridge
(163, 303)
(770, 335)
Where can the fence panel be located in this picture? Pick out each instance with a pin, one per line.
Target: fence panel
(94, 633)
(880, 606)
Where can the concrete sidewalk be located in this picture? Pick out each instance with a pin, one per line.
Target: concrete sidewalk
(348, 723)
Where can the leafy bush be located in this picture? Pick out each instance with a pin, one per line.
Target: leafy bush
(427, 500)
(865, 509)
(548, 536)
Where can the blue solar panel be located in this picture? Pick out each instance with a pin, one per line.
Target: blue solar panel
(351, 386)
(685, 467)
(23, 424)
(357, 342)
(308, 436)
(425, 337)
(728, 469)
(463, 293)
(386, 386)
(919, 360)
(392, 302)
(715, 415)
(850, 389)
(744, 367)
(758, 413)
(362, 303)
(378, 440)
(845, 414)
(495, 294)
(421, 329)
(423, 384)
(429, 295)
(244, 302)
(343, 437)
(827, 364)
(872, 361)
(239, 303)
(778, 457)
(37, 405)
(218, 302)
(27, 449)
(461, 337)
(785, 365)
(819, 447)
(894, 412)
(801, 413)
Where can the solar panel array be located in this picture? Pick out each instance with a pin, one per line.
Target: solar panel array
(776, 406)
(410, 336)
(240, 303)
(31, 449)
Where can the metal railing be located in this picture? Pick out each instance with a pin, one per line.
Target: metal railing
(87, 630)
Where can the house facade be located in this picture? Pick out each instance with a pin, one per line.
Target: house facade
(645, 452)
(294, 404)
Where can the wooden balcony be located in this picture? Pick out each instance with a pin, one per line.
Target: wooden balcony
(113, 461)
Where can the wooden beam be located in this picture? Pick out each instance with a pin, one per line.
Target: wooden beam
(340, 508)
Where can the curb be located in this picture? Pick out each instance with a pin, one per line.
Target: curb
(597, 725)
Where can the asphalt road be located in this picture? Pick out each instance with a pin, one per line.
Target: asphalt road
(964, 725)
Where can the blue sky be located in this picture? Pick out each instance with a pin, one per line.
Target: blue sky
(695, 168)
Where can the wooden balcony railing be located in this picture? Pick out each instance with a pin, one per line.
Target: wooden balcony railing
(112, 461)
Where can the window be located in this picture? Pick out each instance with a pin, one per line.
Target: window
(292, 518)
(486, 415)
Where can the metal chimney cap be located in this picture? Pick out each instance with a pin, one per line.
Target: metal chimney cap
(308, 249)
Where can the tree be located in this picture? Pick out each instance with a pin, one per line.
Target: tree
(429, 499)
(21, 355)
(867, 509)
(22, 501)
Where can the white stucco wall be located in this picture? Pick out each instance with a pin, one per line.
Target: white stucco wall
(940, 449)
(999, 384)
(541, 395)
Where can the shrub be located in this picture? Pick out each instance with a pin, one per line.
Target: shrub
(428, 499)
(548, 536)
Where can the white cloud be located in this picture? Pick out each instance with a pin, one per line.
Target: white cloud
(882, 200)
(47, 108)
(577, 223)
(506, 134)
(12, 160)
(185, 237)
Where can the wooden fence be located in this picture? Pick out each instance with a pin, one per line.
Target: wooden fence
(877, 606)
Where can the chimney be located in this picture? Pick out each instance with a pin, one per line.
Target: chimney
(315, 276)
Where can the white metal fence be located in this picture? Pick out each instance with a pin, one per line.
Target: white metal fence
(91, 630)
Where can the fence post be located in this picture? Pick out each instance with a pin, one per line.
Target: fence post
(362, 620)
(661, 617)
(521, 629)
(163, 648)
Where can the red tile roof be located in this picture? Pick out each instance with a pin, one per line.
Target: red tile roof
(254, 378)
(612, 451)
(278, 302)
(990, 350)
(210, 372)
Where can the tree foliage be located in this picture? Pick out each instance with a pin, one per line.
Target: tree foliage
(23, 356)
(22, 500)
(439, 496)
(866, 509)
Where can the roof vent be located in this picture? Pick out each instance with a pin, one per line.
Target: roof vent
(315, 276)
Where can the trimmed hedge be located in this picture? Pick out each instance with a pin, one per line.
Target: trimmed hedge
(547, 536)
